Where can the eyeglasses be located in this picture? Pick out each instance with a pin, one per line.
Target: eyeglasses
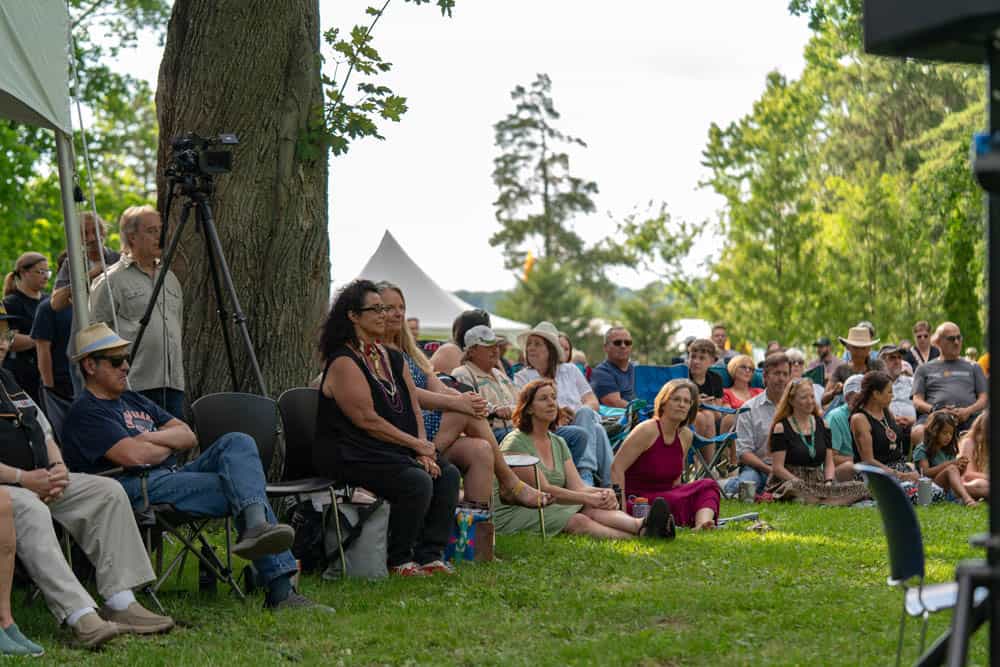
(378, 310)
(797, 363)
(621, 342)
(952, 339)
(745, 368)
(42, 272)
(116, 361)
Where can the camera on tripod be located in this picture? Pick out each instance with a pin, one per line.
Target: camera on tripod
(192, 156)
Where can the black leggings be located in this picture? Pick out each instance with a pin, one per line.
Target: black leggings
(422, 509)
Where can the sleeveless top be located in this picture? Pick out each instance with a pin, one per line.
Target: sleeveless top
(340, 442)
(657, 468)
(884, 450)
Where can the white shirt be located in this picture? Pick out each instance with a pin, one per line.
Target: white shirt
(571, 386)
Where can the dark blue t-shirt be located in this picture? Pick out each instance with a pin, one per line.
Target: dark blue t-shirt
(55, 327)
(95, 425)
(606, 378)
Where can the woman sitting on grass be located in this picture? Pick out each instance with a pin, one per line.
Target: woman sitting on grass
(454, 422)
(651, 460)
(579, 509)
(802, 466)
(937, 456)
(368, 433)
(975, 446)
(878, 439)
(12, 641)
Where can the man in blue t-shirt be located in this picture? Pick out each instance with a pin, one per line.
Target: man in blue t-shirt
(51, 331)
(109, 426)
(613, 379)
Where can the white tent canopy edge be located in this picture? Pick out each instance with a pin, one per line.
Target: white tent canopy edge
(34, 89)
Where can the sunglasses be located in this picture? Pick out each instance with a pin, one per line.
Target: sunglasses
(797, 363)
(621, 342)
(378, 310)
(923, 335)
(116, 361)
(952, 339)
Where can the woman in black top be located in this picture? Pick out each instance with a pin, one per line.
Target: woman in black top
(369, 433)
(878, 439)
(22, 292)
(802, 466)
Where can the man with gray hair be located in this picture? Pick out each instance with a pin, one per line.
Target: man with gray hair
(613, 380)
(157, 372)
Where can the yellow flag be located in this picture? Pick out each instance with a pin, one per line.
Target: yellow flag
(529, 263)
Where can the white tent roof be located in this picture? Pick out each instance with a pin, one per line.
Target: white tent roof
(425, 300)
(34, 74)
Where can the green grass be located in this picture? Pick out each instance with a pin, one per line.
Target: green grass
(810, 592)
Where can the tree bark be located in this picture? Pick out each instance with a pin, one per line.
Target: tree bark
(250, 67)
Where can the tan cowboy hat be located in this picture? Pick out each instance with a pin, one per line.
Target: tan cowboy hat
(97, 338)
(545, 330)
(859, 337)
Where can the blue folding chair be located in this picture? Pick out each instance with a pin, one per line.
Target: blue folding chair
(650, 379)
(906, 554)
(626, 418)
(757, 381)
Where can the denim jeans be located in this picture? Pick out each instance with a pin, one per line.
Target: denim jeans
(171, 400)
(598, 456)
(223, 481)
(579, 440)
(746, 474)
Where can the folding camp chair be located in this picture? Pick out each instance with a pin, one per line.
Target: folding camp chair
(906, 555)
(650, 379)
(625, 419)
(722, 442)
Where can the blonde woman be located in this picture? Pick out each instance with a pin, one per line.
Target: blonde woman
(975, 448)
(651, 460)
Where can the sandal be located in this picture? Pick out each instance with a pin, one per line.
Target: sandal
(513, 496)
(659, 522)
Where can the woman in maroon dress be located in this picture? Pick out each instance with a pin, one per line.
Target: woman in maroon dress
(651, 460)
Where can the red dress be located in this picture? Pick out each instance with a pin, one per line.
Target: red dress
(653, 474)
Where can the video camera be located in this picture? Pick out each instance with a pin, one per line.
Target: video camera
(191, 155)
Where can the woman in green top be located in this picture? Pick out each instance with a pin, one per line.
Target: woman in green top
(578, 508)
(937, 456)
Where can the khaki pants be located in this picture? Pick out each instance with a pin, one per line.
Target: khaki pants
(98, 516)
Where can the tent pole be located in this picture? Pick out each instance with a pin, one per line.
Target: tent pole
(74, 243)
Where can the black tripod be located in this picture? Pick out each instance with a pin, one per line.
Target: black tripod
(197, 187)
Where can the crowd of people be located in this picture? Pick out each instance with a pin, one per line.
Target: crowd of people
(431, 434)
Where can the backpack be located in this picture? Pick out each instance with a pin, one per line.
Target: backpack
(364, 529)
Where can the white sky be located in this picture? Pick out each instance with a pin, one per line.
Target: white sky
(640, 82)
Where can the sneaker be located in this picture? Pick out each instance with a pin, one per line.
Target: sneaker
(409, 569)
(92, 631)
(436, 566)
(137, 619)
(296, 600)
(33, 649)
(11, 648)
(264, 540)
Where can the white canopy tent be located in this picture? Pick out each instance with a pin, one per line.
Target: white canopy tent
(435, 307)
(34, 89)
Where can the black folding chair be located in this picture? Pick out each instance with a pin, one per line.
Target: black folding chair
(906, 554)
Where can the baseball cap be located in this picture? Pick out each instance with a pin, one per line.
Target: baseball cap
(480, 335)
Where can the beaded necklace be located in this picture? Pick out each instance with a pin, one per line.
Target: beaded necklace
(810, 442)
(376, 360)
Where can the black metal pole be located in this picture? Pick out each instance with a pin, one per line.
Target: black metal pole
(220, 303)
(993, 334)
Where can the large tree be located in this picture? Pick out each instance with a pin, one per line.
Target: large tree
(251, 67)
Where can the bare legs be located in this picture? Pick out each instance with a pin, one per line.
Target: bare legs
(978, 488)
(606, 524)
(704, 519)
(8, 547)
(704, 425)
(951, 479)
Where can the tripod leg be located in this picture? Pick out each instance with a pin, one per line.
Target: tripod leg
(215, 246)
(220, 304)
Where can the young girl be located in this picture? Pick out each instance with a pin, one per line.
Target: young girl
(975, 446)
(937, 456)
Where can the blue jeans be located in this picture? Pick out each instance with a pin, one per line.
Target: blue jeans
(223, 481)
(579, 442)
(598, 456)
(747, 474)
(171, 400)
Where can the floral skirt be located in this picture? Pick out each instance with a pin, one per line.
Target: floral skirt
(811, 488)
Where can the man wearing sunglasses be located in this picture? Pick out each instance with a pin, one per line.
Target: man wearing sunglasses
(950, 382)
(110, 426)
(613, 379)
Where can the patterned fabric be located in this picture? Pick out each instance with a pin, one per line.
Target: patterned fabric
(432, 418)
(811, 488)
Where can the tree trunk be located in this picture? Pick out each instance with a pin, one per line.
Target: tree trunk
(250, 67)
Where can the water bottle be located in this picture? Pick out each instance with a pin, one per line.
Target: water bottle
(640, 507)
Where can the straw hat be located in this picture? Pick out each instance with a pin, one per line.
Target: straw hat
(97, 338)
(859, 337)
(545, 330)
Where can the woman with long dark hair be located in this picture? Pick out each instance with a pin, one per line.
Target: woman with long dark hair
(878, 439)
(369, 432)
(454, 422)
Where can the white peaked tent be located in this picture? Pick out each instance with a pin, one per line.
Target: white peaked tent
(425, 300)
(34, 89)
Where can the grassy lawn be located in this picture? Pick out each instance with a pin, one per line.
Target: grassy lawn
(810, 592)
